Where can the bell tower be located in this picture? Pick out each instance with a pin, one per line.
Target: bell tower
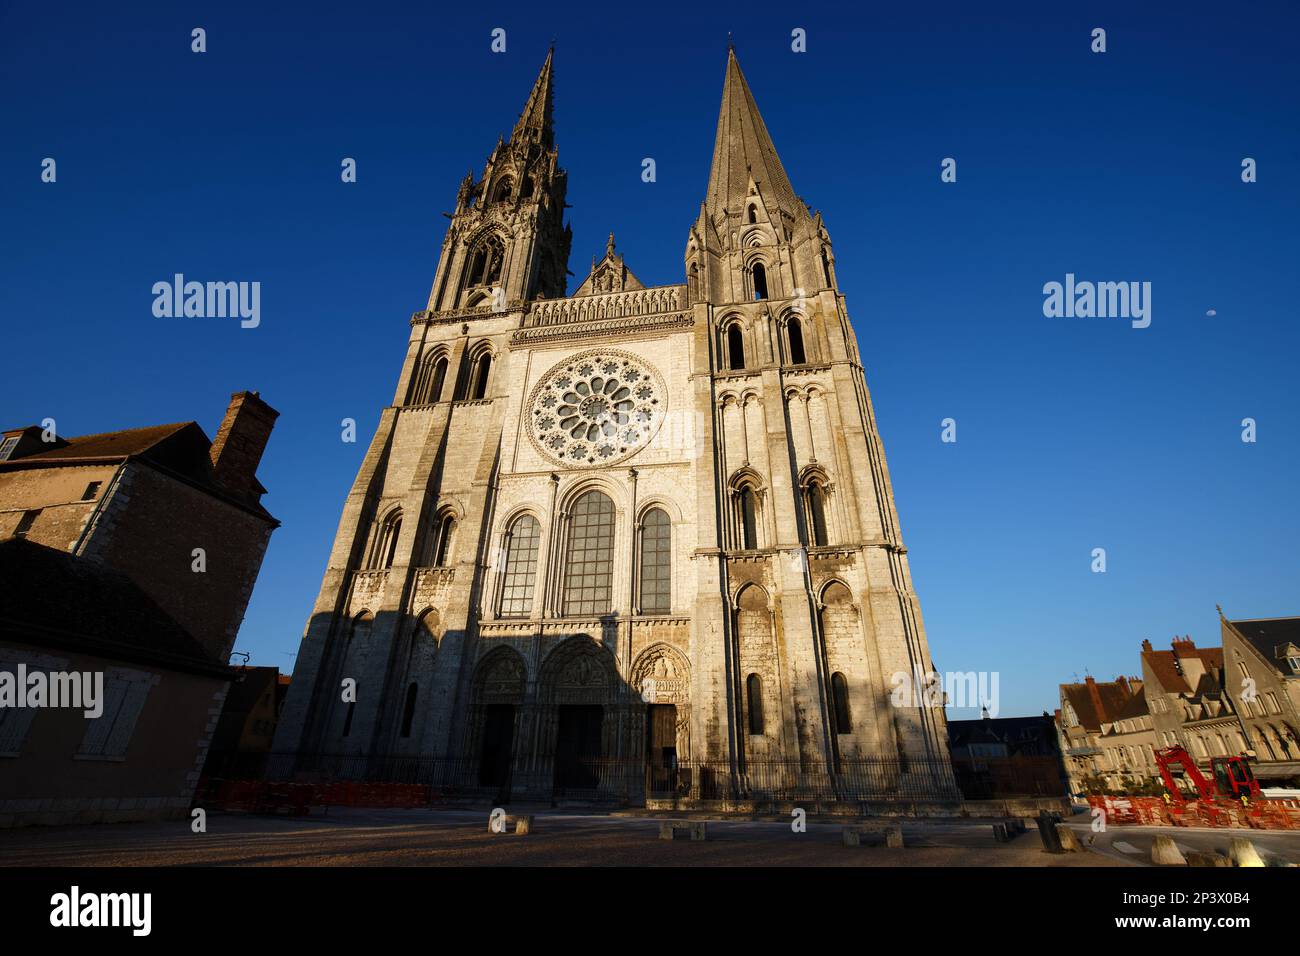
(507, 243)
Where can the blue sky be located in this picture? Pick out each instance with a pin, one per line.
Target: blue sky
(1073, 434)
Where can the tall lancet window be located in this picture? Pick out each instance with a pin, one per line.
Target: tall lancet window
(748, 519)
(794, 333)
(590, 564)
(521, 567)
(385, 546)
(760, 281)
(656, 534)
(815, 496)
(485, 262)
(735, 347)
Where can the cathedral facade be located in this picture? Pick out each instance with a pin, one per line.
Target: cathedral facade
(643, 528)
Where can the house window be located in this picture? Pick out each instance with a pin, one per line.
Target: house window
(754, 698)
(590, 565)
(109, 734)
(92, 490)
(656, 563)
(521, 567)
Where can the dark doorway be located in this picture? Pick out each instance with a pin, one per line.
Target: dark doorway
(577, 747)
(498, 745)
(661, 748)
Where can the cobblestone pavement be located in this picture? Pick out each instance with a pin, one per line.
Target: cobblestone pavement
(460, 838)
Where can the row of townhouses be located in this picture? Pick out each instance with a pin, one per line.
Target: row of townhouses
(1240, 698)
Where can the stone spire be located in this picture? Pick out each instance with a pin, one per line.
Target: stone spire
(743, 152)
(535, 121)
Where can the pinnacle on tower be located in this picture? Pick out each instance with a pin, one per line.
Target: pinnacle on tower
(535, 121)
(743, 151)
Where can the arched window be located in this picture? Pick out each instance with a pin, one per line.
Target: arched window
(485, 262)
(385, 547)
(439, 377)
(754, 699)
(794, 333)
(735, 347)
(521, 567)
(347, 720)
(693, 282)
(444, 529)
(482, 368)
(526, 188)
(753, 213)
(590, 559)
(656, 563)
(503, 191)
(429, 379)
(760, 281)
(826, 268)
(408, 711)
(748, 519)
(815, 496)
(840, 693)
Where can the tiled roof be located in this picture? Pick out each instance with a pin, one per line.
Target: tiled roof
(1114, 697)
(110, 445)
(48, 596)
(1164, 664)
(1266, 635)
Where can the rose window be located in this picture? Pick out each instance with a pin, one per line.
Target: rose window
(596, 408)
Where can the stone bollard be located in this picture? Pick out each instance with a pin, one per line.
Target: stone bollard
(1000, 833)
(524, 825)
(1243, 853)
(1207, 859)
(850, 836)
(1069, 842)
(1165, 852)
(698, 830)
(894, 837)
(666, 831)
(1047, 832)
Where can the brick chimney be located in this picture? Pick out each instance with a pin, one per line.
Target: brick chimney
(240, 441)
(1146, 645)
(1096, 697)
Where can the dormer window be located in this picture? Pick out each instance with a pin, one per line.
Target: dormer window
(7, 447)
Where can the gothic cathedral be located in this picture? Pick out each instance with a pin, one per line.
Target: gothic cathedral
(630, 541)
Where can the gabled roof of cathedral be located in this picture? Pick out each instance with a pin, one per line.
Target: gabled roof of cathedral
(743, 151)
(610, 274)
(535, 122)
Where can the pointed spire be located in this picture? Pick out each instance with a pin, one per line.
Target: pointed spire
(535, 121)
(743, 151)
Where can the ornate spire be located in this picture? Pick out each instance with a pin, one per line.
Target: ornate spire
(743, 151)
(535, 121)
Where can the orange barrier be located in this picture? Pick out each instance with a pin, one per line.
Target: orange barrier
(1159, 812)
